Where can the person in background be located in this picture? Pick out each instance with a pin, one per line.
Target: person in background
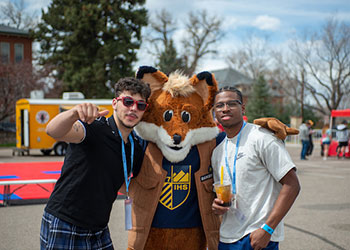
(262, 173)
(102, 155)
(342, 138)
(326, 140)
(304, 135)
(311, 144)
(219, 125)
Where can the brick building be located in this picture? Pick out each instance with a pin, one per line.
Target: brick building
(15, 52)
(15, 45)
(231, 77)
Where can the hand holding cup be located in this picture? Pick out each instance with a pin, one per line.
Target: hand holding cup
(224, 193)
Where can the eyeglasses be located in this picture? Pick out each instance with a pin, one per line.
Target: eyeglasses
(230, 104)
(129, 102)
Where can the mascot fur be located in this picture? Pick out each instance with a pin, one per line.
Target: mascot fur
(173, 193)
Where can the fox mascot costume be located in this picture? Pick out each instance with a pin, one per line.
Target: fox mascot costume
(173, 192)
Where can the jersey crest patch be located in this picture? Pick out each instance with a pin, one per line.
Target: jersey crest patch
(176, 188)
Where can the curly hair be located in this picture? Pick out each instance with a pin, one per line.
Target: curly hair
(135, 86)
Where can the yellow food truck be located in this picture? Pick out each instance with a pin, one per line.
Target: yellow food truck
(32, 116)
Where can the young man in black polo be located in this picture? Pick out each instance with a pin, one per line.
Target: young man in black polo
(101, 155)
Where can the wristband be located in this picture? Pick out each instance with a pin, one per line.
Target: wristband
(267, 229)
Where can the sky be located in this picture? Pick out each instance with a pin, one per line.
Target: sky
(279, 20)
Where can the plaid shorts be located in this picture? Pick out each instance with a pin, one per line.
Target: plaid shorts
(57, 234)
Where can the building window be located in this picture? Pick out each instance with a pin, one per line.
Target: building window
(18, 52)
(5, 52)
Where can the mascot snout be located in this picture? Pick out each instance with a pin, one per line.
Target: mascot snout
(177, 139)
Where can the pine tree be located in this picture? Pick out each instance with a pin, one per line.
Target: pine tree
(259, 103)
(90, 44)
(169, 60)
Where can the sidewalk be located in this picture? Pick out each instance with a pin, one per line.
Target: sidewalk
(320, 217)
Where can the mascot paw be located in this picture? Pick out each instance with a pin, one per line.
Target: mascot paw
(276, 126)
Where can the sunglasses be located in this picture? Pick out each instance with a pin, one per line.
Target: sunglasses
(129, 102)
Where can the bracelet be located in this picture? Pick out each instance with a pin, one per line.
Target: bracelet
(267, 229)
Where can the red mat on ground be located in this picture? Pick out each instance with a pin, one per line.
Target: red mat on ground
(29, 171)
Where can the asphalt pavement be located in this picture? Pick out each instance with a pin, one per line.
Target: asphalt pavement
(319, 219)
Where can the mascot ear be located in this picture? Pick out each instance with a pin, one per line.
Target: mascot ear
(276, 126)
(206, 86)
(152, 76)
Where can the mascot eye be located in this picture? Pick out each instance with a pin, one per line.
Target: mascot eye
(186, 117)
(168, 115)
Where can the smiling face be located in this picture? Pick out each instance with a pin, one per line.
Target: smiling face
(228, 111)
(127, 117)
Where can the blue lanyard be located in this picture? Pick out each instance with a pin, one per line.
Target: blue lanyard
(127, 179)
(233, 176)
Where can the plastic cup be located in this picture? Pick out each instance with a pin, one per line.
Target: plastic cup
(224, 193)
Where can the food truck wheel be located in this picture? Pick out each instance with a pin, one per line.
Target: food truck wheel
(46, 151)
(60, 148)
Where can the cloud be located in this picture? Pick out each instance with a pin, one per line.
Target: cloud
(231, 23)
(266, 22)
(35, 6)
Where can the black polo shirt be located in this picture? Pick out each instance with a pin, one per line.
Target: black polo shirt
(91, 176)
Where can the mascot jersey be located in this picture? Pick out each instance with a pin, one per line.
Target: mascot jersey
(178, 203)
(178, 206)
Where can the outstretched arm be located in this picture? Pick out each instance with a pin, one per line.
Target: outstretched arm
(290, 189)
(65, 126)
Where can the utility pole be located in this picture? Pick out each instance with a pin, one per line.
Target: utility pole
(302, 95)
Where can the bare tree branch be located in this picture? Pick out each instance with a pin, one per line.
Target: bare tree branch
(325, 58)
(17, 80)
(16, 15)
(253, 57)
(203, 32)
(162, 28)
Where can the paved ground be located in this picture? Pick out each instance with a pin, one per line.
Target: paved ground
(320, 218)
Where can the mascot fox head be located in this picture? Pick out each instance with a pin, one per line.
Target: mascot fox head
(179, 114)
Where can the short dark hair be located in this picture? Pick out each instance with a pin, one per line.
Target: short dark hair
(135, 86)
(232, 89)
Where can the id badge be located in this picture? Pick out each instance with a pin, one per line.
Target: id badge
(128, 218)
(238, 213)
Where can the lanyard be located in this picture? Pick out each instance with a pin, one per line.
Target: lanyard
(127, 179)
(233, 176)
